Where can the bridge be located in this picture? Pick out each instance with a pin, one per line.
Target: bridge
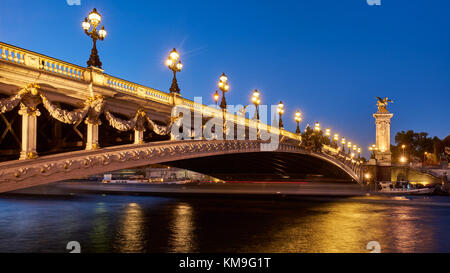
(61, 121)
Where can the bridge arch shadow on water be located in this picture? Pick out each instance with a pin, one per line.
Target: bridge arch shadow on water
(226, 159)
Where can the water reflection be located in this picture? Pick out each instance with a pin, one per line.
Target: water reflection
(182, 227)
(326, 227)
(149, 224)
(99, 233)
(408, 232)
(130, 236)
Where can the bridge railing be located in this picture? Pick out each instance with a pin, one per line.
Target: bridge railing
(20, 56)
(17, 55)
(352, 163)
(137, 90)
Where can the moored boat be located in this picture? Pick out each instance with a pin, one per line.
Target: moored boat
(402, 188)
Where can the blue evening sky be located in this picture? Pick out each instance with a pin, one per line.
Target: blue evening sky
(327, 58)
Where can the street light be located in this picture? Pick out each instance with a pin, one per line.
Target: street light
(317, 127)
(343, 144)
(174, 64)
(216, 97)
(280, 112)
(224, 87)
(349, 146)
(359, 152)
(328, 132)
(403, 159)
(336, 138)
(335, 141)
(298, 119)
(373, 148)
(256, 101)
(94, 21)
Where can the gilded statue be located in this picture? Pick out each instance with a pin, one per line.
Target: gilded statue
(383, 103)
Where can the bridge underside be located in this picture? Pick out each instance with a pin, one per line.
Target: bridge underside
(263, 166)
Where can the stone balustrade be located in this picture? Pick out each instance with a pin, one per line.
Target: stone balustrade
(19, 56)
(34, 60)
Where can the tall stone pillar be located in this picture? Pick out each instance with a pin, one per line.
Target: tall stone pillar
(382, 151)
(92, 136)
(29, 132)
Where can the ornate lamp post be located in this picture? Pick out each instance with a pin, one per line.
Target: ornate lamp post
(256, 101)
(216, 97)
(373, 149)
(224, 87)
(94, 21)
(359, 153)
(174, 64)
(317, 127)
(280, 112)
(349, 146)
(335, 140)
(298, 119)
(343, 144)
(328, 132)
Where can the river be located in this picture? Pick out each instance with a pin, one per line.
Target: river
(129, 223)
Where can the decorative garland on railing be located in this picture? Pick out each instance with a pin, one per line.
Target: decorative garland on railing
(137, 123)
(93, 107)
(63, 115)
(120, 124)
(161, 130)
(10, 103)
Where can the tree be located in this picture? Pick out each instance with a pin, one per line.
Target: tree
(307, 137)
(416, 144)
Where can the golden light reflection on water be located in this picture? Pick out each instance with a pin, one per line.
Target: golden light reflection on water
(330, 228)
(131, 231)
(346, 227)
(182, 227)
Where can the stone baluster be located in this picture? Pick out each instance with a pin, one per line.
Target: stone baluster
(3, 53)
(10, 56)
